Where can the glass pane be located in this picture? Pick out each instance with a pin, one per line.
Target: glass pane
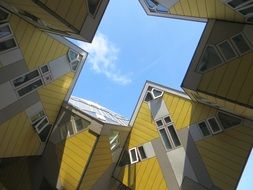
(142, 152)
(247, 10)
(133, 155)
(214, 125)
(42, 124)
(148, 97)
(93, 4)
(204, 129)
(165, 139)
(74, 65)
(37, 116)
(7, 44)
(157, 93)
(174, 135)
(44, 69)
(228, 120)
(44, 134)
(72, 55)
(209, 59)
(159, 123)
(79, 125)
(5, 31)
(3, 15)
(167, 119)
(23, 79)
(236, 3)
(151, 4)
(30, 88)
(70, 129)
(241, 43)
(227, 50)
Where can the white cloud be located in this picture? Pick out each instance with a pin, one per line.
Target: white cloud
(103, 56)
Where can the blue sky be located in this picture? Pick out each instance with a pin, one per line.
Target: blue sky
(130, 48)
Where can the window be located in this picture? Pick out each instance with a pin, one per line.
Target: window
(214, 125)
(209, 59)
(93, 5)
(133, 155)
(142, 153)
(168, 133)
(228, 120)
(204, 129)
(30, 88)
(25, 78)
(37, 117)
(247, 9)
(74, 59)
(114, 140)
(7, 44)
(238, 3)
(153, 93)
(4, 15)
(41, 124)
(227, 50)
(250, 19)
(156, 7)
(240, 43)
(5, 30)
(45, 132)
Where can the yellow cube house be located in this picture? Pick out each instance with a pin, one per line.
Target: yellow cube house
(77, 19)
(37, 74)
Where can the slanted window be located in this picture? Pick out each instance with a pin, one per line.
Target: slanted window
(4, 15)
(238, 3)
(45, 133)
(74, 59)
(30, 88)
(209, 59)
(7, 44)
(5, 30)
(114, 140)
(154, 6)
(153, 93)
(142, 153)
(7, 40)
(26, 78)
(168, 133)
(250, 19)
(204, 129)
(93, 6)
(41, 124)
(227, 50)
(133, 155)
(240, 43)
(228, 120)
(214, 125)
(247, 9)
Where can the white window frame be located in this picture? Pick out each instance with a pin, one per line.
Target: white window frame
(152, 94)
(19, 88)
(8, 17)
(165, 126)
(208, 127)
(219, 55)
(140, 153)
(232, 47)
(44, 126)
(130, 155)
(246, 41)
(78, 58)
(220, 128)
(244, 6)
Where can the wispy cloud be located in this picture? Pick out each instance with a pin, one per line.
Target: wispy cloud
(103, 57)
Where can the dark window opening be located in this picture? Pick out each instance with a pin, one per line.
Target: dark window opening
(228, 121)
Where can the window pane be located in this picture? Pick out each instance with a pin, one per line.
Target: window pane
(204, 129)
(93, 4)
(228, 120)
(3, 15)
(37, 116)
(27, 77)
(167, 119)
(7, 44)
(5, 31)
(159, 123)
(42, 124)
(241, 43)
(72, 55)
(142, 152)
(133, 155)
(174, 135)
(44, 69)
(44, 134)
(214, 125)
(235, 3)
(157, 93)
(247, 10)
(148, 97)
(30, 88)
(70, 129)
(209, 59)
(165, 139)
(227, 50)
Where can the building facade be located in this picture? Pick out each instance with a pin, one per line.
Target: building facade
(77, 19)
(38, 72)
(177, 143)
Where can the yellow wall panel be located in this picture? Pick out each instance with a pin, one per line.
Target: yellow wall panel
(225, 154)
(144, 128)
(100, 161)
(73, 157)
(143, 175)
